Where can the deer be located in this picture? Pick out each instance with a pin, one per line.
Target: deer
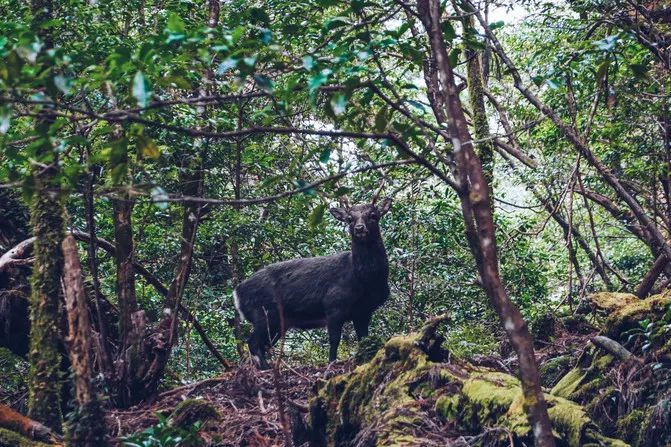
(322, 291)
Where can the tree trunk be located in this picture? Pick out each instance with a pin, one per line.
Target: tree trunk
(476, 208)
(44, 382)
(86, 426)
(165, 336)
(485, 146)
(125, 272)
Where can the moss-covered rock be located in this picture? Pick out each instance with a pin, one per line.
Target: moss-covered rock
(553, 369)
(9, 438)
(384, 402)
(190, 411)
(632, 426)
(624, 311)
(367, 348)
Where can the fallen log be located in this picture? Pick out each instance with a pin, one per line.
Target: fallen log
(611, 346)
(18, 423)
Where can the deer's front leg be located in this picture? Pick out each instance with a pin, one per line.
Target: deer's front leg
(334, 326)
(361, 324)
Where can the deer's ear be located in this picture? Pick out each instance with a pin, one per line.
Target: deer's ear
(384, 206)
(339, 213)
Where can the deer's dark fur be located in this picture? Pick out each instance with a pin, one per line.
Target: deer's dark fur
(324, 291)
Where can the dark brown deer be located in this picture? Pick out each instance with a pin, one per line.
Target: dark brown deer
(324, 291)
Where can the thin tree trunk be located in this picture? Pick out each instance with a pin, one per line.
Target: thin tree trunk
(106, 364)
(44, 382)
(192, 179)
(86, 426)
(125, 273)
(485, 146)
(476, 208)
(650, 278)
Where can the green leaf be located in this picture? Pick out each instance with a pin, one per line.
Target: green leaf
(264, 83)
(147, 147)
(453, 57)
(608, 43)
(325, 155)
(226, 65)
(62, 83)
(343, 190)
(418, 105)
(338, 103)
(316, 216)
(5, 118)
(318, 80)
(308, 62)
(381, 120)
(141, 89)
(448, 31)
(639, 70)
(335, 22)
(175, 29)
(159, 197)
(496, 25)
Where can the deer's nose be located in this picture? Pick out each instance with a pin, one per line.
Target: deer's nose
(359, 228)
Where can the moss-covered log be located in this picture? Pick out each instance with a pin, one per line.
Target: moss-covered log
(390, 400)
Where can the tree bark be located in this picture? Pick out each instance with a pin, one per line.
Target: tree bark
(125, 272)
(480, 124)
(476, 208)
(648, 281)
(44, 382)
(86, 426)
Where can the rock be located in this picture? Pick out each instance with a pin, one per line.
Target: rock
(625, 311)
(553, 369)
(190, 411)
(10, 438)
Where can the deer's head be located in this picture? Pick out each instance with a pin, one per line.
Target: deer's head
(363, 220)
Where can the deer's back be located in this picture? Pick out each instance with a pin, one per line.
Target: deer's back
(306, 287)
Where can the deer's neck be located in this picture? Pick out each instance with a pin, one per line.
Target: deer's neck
(369, 260)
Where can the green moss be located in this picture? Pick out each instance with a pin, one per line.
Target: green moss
(190, 411)
(569, 383)
(631, 426)
(85, 426)
(380, 401)
(12, 439)
(554, 369)
(447, 406)
(611, 301)
(367, 348)
(627, 317)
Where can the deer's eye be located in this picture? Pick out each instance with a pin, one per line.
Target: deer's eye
(349, 219)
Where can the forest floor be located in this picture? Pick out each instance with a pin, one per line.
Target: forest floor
(247, 403)
(245, 399)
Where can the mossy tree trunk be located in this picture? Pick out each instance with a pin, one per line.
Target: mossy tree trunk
(44, 402)
(476, 96)
(86, 425)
